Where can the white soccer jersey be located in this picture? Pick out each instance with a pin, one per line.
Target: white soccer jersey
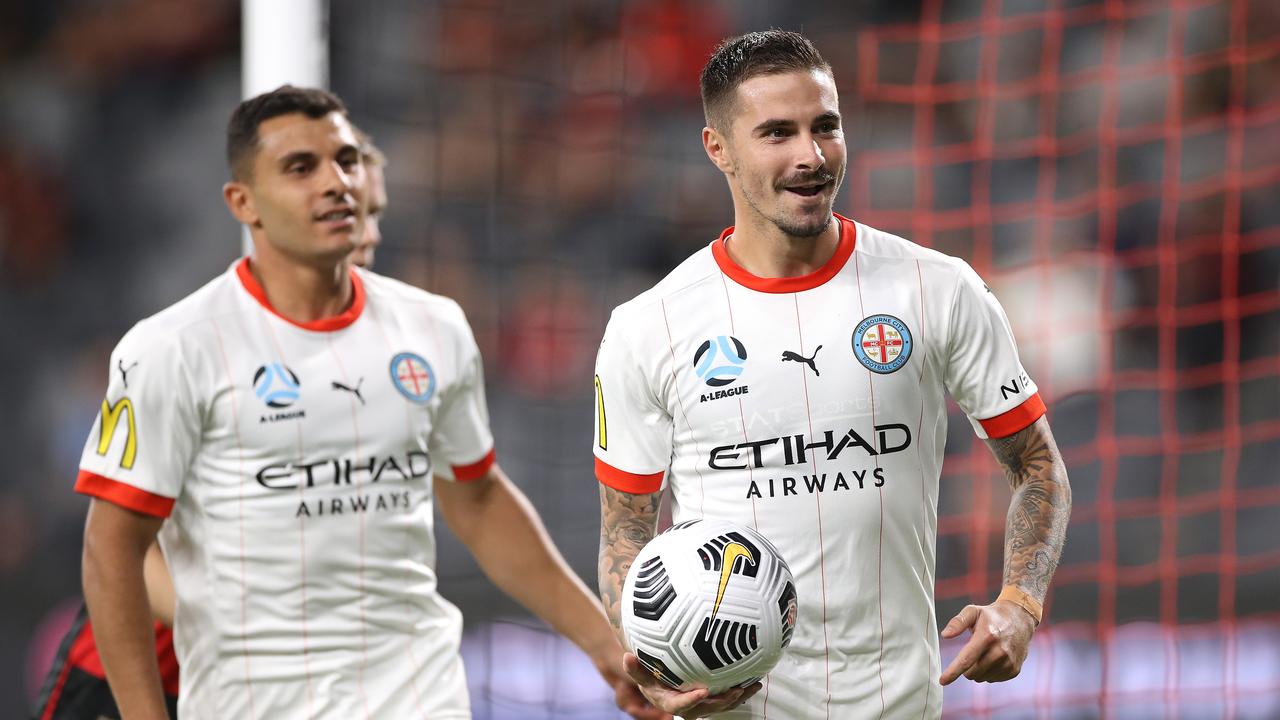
(294, 463)
(813, 410)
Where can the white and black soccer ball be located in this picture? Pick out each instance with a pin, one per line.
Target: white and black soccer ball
(709, 602)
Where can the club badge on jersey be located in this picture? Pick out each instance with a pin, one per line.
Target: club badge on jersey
(882, 343)
(413, 377)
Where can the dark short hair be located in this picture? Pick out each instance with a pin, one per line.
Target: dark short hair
(741, 58)
(242, 129)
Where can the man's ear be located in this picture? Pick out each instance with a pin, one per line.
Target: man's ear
(717, 148)
(240, 202)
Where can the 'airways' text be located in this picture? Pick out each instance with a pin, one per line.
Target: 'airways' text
(782, 487)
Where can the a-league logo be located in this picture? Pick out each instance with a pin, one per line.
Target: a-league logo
(719, 362)
(276, 385)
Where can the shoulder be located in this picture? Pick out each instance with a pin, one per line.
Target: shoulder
(689, 276)
(403, 297)
(936, 269)
(874, 243)
(421, 313)
(175, 327)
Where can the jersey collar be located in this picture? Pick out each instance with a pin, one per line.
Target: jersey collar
(329, 324)
(844, 248)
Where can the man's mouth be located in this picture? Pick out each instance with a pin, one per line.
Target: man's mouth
(809, 185)
(807, 190)
(335, 215)
(339, 218)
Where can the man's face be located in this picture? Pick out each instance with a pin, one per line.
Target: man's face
(785, 149)
(376, 204)
(308, 187)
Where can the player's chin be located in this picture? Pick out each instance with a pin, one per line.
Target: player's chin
(332, 249)
(809, 223)
(362, 257)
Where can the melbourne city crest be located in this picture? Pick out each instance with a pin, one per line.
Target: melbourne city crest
(882, 343)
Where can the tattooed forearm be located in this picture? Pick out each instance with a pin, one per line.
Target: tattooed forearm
(1026, 454)
(1036, 527)
(627, 523)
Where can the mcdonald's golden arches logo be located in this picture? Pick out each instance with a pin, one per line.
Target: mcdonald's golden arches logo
(604, 430)
(107, 431)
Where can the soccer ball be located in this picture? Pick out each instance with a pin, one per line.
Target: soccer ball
(709, 602)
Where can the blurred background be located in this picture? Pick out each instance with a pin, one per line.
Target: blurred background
(1111, 167)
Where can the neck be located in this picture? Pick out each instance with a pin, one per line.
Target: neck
(764, 250)
(298, 291)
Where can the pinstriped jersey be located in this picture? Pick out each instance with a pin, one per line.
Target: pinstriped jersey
(813, 410)
(294, 463)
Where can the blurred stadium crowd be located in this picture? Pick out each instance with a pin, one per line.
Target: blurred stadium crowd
(545, 165)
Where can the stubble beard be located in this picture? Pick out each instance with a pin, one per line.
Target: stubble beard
(810, 229)
(800, 227)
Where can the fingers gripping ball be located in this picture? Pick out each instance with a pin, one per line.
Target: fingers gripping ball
(709, 602)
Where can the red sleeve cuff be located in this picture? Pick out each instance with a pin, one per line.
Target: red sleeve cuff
(123, 494)
(628, 482)
(1015, 420)
(477, 469)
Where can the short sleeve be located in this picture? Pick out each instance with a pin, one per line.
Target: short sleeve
(632, 429)
(984, 374)
(461, 442)
(142, 443)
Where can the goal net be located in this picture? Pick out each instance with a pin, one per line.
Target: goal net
(1111, 167)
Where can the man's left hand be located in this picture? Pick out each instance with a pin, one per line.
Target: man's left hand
(1001, 637)
(628, 696)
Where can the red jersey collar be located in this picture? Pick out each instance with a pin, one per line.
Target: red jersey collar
(844, 249)
(329, 324)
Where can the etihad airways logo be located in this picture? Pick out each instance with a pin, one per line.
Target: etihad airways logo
(331, 472)
(796, 449)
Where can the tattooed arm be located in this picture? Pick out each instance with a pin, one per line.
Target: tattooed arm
(1037, 523)
(1034, 533)
(627, 523)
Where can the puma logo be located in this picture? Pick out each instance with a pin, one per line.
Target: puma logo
(353, 390)
(788, 356)
(124, 372)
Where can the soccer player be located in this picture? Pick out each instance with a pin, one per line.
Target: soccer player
(375, 164)
(76, 686)
(791, 377)
(295, 420)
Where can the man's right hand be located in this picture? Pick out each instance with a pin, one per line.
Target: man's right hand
(688, 704)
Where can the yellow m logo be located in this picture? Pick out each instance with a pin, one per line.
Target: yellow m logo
(110, 418)
(604, 430)
(732, 552)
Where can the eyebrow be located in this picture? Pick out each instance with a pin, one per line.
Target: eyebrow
(769, 125)
(780, 124)
(311, 157)
(297, 156)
